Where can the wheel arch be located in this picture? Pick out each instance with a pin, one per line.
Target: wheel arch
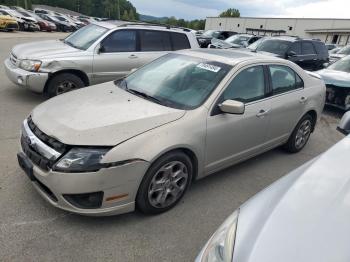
(82, 75)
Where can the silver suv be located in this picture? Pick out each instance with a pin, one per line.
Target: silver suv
(96, 53)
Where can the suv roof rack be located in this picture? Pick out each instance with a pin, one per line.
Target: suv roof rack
(156, 25)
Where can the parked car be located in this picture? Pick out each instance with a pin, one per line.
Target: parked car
(94, 54)
(24, 23)
(205, 39)
(337, 79)
(43, 24)
(61, 26)
(302, 217)
(309, 54)
(340, 54)
(335, 50)
(8, 23)
(235, 41)
(331, 46)
(93, 151)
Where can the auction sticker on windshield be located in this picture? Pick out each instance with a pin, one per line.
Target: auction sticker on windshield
(208, 67)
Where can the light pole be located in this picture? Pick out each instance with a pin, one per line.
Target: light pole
(118, 6)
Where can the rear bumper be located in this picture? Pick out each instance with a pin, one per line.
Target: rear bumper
(33, 81)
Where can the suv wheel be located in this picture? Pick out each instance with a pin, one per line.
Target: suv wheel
(165, 183)
(63, 83)
(300, 135)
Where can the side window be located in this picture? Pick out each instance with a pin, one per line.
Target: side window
(180, 41)
(247, 86)
(120, 41)
(296, 47)
(284, 79)
(154, 41)
(308, 48)
(321, 48)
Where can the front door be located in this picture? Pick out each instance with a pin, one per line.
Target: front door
(230, 137)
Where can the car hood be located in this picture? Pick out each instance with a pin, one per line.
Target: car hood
(101, 115)
(7, 18)
(43, 49)
(269, 54)
(303, 216)
(336, 78)
(223, 44)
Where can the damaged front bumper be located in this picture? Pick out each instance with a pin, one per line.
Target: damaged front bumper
(30, 80)
(338, 97)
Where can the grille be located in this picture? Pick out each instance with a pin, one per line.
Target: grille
(13, 59)
(37, 159)
(55, 144)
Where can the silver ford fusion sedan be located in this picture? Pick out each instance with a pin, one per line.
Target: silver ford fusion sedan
(140, 141)
(302, 217)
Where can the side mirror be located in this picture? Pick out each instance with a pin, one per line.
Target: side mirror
(133, 70)
(245, 43)
(101, 49)
(292, 54)
(325, 65)
(344, 125)
(232, 107)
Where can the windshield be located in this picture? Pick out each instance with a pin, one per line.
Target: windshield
(177, 81)
(237, 39)
(341, 65)
(211, 33)
(85, 37)
(344, 51)
(278, 47)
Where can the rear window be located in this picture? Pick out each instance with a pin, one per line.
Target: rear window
(154, 41)
(321, 48)
(180, 41)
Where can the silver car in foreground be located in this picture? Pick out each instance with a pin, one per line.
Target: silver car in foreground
(302, 217)
(94, 54)
(141, 141)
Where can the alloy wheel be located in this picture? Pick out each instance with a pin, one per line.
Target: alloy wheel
(303, 134)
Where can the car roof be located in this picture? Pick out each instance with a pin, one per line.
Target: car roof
(228, 56)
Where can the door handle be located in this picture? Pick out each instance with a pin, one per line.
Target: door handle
(262, 113)
(303, 99)
(133, 56)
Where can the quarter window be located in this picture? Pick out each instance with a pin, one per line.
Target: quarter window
(247, 86)
(120, 41)
(284, 79)
(308, 48)
(154, 41)
(180, 41)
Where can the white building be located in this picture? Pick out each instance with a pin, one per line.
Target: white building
(335, 31)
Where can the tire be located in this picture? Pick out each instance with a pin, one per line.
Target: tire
(63, 83)
(159, 181)
(301, 134)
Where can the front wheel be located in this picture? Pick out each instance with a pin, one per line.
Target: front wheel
(63, 83)
(165, 183)
(300, 135)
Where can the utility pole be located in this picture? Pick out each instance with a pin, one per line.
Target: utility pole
(118, 6)
(25, 4)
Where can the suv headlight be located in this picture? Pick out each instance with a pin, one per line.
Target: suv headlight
(220, 246)
(81, 160)
(30, 65)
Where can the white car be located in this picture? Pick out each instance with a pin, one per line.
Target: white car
(302, 217)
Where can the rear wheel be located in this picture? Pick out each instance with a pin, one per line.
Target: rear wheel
(63, 83)
(300, 135)
(165, 183)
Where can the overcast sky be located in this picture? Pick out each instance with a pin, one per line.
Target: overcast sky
(192, 9)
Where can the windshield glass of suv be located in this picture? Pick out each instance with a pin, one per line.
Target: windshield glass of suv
(237, 39)
(274, 46)
(177, 81)
(211, 33)
(85, 37)
(344, 51)
(341, 65)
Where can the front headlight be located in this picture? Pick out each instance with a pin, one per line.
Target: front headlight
(220, 246)
(81, 160)
(30, 65)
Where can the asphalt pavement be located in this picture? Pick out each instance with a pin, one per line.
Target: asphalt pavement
(32, 230)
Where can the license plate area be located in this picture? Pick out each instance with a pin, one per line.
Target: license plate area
(26, 165)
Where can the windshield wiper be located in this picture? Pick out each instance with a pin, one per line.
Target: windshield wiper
(144, 95)
(71, 44)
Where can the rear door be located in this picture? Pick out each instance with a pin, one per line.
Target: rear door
(288, 102)
(309, 54)
(116, 57)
